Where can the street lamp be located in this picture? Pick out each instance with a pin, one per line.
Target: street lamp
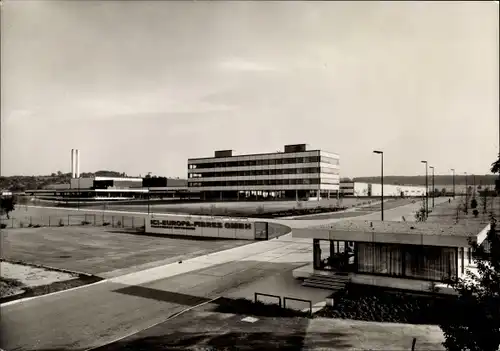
(426, 190)
(433, 189)
(453, 170)
(381, 153)
(466, 194)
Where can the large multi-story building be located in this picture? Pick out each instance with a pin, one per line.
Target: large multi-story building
(296, 173)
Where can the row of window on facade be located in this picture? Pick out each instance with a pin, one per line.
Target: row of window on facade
(310, 170)
(265, 182)
(269, 162)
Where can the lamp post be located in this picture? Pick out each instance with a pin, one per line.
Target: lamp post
(466, 194)
(453, 170)
(433, 189)
(381, 153)
(78, 192)
(426, 189)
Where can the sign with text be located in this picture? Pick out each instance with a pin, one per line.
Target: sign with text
(156, 223)
(209, 227)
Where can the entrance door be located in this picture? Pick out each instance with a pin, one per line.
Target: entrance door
(342, 257)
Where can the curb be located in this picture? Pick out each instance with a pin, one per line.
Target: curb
(32, 293)
(48, 268)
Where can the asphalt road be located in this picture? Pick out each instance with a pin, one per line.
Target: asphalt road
(95, 315)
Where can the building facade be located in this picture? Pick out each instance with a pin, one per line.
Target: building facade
(350, 188)
(296, 173)
(401, 255)
(114, 189)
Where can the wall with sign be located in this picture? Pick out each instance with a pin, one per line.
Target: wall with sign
(210, 227)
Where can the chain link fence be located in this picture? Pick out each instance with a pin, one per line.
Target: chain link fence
(113, 221)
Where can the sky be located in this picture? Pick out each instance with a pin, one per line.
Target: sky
(142, 86)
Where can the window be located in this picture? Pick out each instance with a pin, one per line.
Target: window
(375, 258)
(329, 170)
(421, 262)
(330, 160)
(430, 263)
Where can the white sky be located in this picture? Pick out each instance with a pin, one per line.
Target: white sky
(142, 86)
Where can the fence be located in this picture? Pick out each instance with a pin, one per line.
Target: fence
(285, 299)
(268, 295)
(113, 221)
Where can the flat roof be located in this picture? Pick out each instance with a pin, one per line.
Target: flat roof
(254, 154)
(410, 228)
(412, 233)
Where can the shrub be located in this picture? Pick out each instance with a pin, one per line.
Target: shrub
(105, 224)
(473, 203)
(3, 225)
(420, 215)
(36, 226)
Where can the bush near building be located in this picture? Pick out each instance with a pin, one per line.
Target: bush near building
(365, 303)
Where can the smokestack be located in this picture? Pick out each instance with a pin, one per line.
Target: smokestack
(72, 163)
(77, 167)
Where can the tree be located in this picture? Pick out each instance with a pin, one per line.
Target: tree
(7, 205)
(420, 215)
(484, 200)
(474, 324)
(495, 168)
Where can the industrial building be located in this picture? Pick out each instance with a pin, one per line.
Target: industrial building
(350, 188)
(92, 189)
(297, 173)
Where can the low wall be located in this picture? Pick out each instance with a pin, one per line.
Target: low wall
(208, 227)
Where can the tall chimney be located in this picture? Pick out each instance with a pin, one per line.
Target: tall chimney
(77, 156)
(72, 163)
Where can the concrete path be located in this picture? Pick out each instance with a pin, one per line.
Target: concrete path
(94, 315)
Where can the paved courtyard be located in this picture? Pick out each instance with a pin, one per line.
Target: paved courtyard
(204, 328)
